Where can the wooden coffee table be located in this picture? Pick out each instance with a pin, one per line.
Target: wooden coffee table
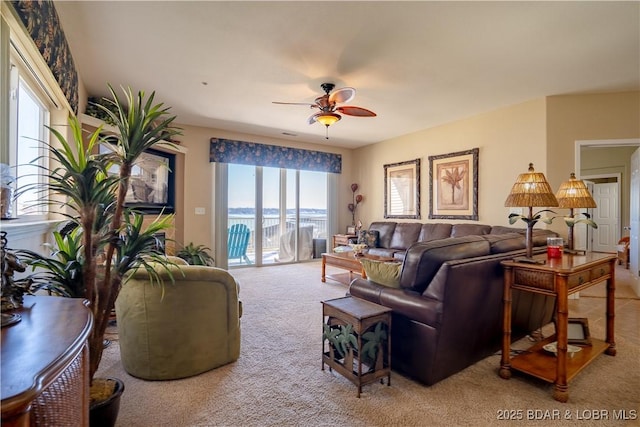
(347, 261)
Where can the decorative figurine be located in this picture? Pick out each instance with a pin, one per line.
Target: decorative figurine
(12, 291)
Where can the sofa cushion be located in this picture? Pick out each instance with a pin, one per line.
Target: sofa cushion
(423, 259)
(459, 230)
(540, 235)
(385, 229)
(434, 231)
(384, 273)
(405, 234)
(386, 252)
(501, 229)
(506, 242)
(369, 238)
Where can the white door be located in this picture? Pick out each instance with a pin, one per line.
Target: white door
(606, 215)
(634, 215)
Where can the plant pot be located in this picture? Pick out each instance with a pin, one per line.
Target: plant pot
(105, 413)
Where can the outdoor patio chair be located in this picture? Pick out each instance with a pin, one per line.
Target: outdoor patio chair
(237, 242)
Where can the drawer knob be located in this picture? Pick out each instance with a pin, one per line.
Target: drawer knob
(580, 280)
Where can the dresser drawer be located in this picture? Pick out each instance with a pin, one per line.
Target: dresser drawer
(534, 279)
(578, 279)
(602, 270)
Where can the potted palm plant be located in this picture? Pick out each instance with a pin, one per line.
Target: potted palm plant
(109, 239)
(196, 254)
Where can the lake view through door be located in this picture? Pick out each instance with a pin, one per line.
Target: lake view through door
(284, 211)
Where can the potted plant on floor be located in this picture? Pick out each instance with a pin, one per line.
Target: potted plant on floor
(196, 255)
(110, 239)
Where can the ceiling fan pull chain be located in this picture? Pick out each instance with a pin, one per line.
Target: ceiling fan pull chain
(327, 129)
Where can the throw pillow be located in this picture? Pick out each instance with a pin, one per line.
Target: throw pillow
(369, 238)
(384, 273)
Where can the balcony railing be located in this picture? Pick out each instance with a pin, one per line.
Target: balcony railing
(272, 233)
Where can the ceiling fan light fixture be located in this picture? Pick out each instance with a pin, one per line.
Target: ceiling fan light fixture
(327, 119)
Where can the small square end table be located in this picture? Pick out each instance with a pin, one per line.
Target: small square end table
(363, 316)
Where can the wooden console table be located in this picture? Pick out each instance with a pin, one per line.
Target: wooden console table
(560, 278)
(45, 363)
(341, 240)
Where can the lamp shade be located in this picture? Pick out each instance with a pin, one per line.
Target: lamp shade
(531, 189)
(574, 194)
(327, 119)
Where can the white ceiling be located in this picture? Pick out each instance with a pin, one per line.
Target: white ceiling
(416, 64)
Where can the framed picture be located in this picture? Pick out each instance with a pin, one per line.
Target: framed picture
(453, 181)
(578, 331)
(402, 190)
(351, 229)
(152, 181)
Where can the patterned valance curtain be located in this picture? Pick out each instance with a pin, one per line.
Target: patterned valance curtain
(43, 25)
(250, 153)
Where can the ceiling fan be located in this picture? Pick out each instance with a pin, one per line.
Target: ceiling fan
(326, 103)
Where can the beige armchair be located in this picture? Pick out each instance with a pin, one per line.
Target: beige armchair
(180, 329)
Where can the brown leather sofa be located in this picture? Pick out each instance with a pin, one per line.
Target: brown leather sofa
(447, 312)
(394, 238)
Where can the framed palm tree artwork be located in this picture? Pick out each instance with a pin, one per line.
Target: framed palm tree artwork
(453, 181)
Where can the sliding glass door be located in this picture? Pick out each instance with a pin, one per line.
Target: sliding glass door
(274, 215)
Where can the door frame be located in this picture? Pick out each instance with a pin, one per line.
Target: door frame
(605, 143)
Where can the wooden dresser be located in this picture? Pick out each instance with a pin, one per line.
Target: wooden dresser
(45, 363)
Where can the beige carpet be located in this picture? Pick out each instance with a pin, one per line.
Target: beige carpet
(278, 381)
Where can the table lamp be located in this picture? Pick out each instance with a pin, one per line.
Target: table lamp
(530, 190)
(574, 194)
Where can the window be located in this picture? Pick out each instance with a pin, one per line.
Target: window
(29, 116)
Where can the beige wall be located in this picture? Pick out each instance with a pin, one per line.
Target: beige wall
(199, 179)
(574, 118)
(541, 131)
(508, 140)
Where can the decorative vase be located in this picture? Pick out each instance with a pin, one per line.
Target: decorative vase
(105, 413)
(6, 194)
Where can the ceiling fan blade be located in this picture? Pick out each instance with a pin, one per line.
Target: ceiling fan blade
(295, 103)
(355, 111)
(344, 94)
(312, 118)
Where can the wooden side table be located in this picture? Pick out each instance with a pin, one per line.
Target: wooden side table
(560, 278)
(364, 317)
(341, 240)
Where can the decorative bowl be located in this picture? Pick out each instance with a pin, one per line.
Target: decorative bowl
(553, 348)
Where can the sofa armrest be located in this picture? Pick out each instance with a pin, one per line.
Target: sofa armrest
(413, 306)
(403, 301)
